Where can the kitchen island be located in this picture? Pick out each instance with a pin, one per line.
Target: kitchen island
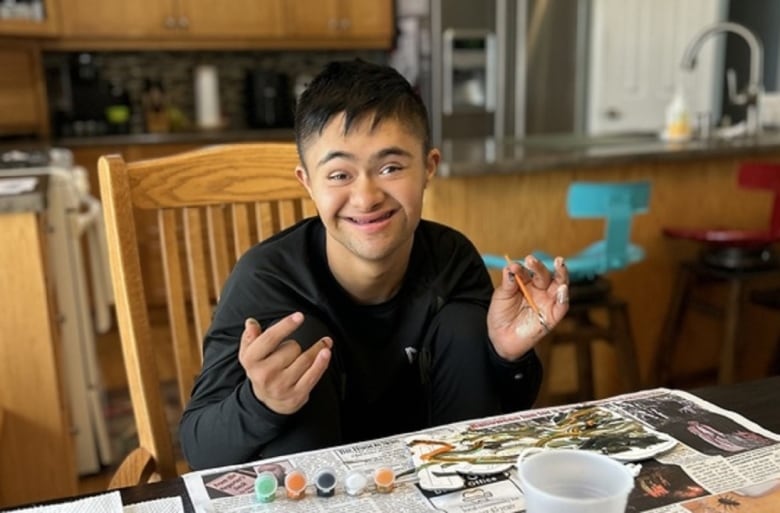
(510, 198)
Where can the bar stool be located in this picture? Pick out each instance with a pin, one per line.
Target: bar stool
(733, 257)
(770, 298)
(590, 292)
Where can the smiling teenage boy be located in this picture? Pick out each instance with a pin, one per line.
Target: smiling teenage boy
(364, 321)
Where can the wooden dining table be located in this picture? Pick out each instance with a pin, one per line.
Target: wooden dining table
(758, 401)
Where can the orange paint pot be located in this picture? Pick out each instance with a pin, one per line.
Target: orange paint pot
(384, 479)
(295, 483)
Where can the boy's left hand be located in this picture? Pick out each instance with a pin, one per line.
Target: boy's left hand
(513, 326)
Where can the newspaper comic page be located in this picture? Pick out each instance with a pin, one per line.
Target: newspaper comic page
(688, 455)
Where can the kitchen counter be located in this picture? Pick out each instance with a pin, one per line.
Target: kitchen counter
(514, 201)
(203, 137)
(470, 157)
(473, 157)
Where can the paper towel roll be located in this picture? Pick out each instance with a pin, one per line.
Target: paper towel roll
(207, 113)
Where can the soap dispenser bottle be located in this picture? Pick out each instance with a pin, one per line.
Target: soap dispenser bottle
(678, 118)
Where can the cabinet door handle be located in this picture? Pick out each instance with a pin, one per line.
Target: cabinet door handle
(333, 24)
(184, 22)
(170, 22)
(344, 23)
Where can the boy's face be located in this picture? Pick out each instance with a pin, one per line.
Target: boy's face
(368, 187)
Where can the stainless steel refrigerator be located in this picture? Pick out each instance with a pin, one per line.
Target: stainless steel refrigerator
(502, 69)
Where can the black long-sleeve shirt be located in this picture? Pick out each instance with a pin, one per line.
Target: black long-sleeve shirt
(225, 423)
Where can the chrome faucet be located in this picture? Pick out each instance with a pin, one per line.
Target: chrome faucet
(750, 96)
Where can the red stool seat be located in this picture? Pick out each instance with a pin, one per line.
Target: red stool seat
(727, 255)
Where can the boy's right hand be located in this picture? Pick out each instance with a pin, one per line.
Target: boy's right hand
(282, 375)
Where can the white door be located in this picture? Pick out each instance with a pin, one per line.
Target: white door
(636, 47)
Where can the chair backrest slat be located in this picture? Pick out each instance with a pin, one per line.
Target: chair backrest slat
(211, 206)
(267, 219)
(242, 237)
(309, 210)
(181, 332)
(198, 273)
(218, 246)
(289, 213)
(617, 203)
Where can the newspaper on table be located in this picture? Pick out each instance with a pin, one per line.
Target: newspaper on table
(693, 457)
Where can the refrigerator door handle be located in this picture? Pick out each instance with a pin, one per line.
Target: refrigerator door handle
(517, 38)
(521, 22)
(498, 73)
(448, 71)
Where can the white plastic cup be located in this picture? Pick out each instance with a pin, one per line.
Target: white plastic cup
(573, 481)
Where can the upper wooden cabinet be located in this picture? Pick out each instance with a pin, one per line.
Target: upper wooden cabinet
(22, 92)
(112, 18)
(35, 19)
(179, 20)
(153, 24)
(233, 19)
(342, 22)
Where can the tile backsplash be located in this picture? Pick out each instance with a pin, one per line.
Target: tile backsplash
(175, 72)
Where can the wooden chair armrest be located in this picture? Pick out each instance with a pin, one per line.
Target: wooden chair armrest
(138, 467)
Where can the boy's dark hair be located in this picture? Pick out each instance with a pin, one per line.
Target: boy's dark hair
(359, 89)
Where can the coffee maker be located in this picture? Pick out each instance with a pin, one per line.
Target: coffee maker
(269, 100)
(80, 98)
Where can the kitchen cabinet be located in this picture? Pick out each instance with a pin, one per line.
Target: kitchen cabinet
(22, 91)
(37, 460)
(39, 18)
(114, 18)
(149, 24)
(150, 21)
(234, 19)
(342, 22)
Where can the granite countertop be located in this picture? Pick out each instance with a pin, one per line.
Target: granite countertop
(196, 137)
(474, 157)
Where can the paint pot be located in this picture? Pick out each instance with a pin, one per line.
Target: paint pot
(295, 484)
(325, 482)
(266, 486)
(355, 483)
(384, 479)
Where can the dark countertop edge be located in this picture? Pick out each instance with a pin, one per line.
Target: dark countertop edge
(610, 156)
(538, 160)
(197, 137)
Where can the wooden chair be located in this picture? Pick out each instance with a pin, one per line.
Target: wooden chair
(211, 205)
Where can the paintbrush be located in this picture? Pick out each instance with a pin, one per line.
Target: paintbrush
(528, 297)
